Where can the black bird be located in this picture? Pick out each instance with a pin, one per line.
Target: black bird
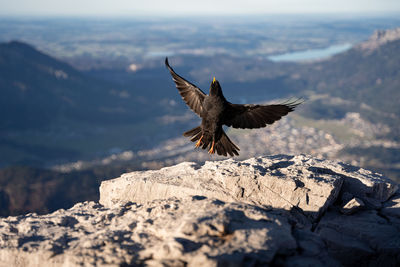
(216, 111)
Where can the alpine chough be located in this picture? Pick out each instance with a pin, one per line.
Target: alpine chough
(216, 111)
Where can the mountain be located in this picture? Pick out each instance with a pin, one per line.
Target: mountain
(40, 91)
(379, 38)
(366, 78)
(51, 112)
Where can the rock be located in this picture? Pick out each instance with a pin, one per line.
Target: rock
(362, 183)
(278, 181)
(173, 231)
(392, 207)
(276, 211)
(372, 203)
(263, 181)
(314, 251)
(352, 206)
(358, 239)
(346, 197)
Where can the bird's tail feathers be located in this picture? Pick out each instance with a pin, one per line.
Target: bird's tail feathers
(226, 147)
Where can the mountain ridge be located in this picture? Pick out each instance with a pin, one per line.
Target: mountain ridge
(380, 37)
(39, 90)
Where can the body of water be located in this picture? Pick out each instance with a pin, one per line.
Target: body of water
(312, 54)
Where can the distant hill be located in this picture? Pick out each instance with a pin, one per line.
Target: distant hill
(39, 91)
(49, 111)
(366, 78)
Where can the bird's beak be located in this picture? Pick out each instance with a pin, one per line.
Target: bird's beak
(213, 80)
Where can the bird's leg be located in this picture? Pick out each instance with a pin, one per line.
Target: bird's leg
(199, 142)
(212, 151)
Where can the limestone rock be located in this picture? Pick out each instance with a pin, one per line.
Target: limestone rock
(278, 181)
(346, 197)
(365, 238)
(173, 232)
(392, 207)
(267, 211)
(352, 206)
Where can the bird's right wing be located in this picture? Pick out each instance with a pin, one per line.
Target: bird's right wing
(191, 94)
(256, 116)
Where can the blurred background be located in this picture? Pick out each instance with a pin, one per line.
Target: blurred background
(85, 95)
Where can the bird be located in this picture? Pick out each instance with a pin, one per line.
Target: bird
(215, 111)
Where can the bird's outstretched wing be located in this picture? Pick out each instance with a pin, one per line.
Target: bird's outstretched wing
(257, 116)
(191, 94)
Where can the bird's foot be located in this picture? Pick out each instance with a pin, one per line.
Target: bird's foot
(212, 151)
(199, 142)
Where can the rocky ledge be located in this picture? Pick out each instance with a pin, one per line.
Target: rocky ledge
(278, 210)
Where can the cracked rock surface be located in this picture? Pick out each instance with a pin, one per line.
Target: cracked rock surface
(279, 210)
(307, 183)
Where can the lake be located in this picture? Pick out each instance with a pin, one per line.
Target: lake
(312, 54)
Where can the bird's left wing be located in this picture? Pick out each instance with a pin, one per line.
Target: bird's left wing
(256, 116)
(191, 94)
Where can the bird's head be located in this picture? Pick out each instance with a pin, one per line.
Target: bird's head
(215, 88)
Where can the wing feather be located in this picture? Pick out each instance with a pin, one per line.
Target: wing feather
(191, 94)
(257, 116)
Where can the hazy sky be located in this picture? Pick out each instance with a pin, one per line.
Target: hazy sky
(187, 7)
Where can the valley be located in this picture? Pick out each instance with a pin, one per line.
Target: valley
(77, 109)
